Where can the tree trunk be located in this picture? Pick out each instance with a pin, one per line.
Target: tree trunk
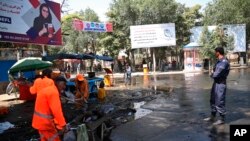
(154, 61)
(133, 59)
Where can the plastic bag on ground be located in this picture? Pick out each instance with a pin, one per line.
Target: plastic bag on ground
(5, 126)
(69, 136)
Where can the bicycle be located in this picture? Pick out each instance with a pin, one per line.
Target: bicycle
(12, 87)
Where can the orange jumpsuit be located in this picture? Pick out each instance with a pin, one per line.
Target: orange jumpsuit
(41, 83)
(48, 115)
(82, 91)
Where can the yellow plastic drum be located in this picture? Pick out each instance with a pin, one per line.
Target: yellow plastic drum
(145, 68)
(107, 80)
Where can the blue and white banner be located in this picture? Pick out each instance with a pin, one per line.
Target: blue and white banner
(92, 26)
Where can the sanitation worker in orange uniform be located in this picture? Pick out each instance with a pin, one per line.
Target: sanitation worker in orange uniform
(82, 90)
(43, 82)
(48, 117)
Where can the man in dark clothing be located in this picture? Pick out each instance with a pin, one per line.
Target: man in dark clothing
(218, 92)
(112, 67)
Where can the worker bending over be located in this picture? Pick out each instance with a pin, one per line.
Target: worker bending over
(82, 90)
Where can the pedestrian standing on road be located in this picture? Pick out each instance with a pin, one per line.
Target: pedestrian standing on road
(48, 117)
(112, 67)
(128, 72)
(218, 92)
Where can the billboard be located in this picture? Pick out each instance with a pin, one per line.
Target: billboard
(30, 21)
(153, 35)
(92, 26)
(237, 31)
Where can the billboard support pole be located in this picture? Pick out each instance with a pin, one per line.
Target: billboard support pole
(247, 49)
(43, 51)
(18, 54)
(154, 62)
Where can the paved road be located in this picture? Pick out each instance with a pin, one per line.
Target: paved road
(178, 116)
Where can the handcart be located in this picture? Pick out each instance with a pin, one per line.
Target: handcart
(25, 65)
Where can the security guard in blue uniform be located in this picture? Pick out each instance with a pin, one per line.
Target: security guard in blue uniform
(218, 92)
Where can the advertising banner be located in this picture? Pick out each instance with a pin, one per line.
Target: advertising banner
(154, 35)
(92, 26)
(30, 21)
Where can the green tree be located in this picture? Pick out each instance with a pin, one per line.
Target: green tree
(206, 49)
(212, 39)
(228, 12)
(185, 20)
(78, 41)
(124, 13)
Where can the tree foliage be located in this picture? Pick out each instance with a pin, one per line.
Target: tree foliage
(212, 39)
(228, 12)
(78, 41)
(125, 13)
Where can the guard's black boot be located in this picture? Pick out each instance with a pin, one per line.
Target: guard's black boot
(220, 121)
(211, 118)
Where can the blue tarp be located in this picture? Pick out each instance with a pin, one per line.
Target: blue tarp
(5, 66)
(76, 56)
(104, 58)
(67, 56)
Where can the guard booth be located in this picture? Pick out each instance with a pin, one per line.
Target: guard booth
(192, 57)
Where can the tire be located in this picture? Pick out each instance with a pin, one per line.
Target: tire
(10, 88)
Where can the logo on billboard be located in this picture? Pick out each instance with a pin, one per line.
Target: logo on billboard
(5, 19)
(167, 33)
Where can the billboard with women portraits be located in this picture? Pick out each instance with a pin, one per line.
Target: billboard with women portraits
(236, 31)
(30, 21)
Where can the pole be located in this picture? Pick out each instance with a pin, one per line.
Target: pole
(18, 58)
(209, 68)
(177, 57)
(247, 49)
(154, 61)
(18, 54)
(43, 50)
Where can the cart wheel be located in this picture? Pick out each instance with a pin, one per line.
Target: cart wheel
(9, 88)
